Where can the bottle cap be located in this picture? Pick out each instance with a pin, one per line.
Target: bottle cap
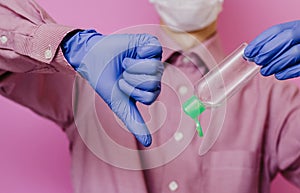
(193, 107)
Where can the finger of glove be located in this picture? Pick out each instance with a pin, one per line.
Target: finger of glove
(257, 44)
(143, 81)
(274, 48)
(143, 66)
(142, 96)
(128, 112)
(149, 47)
(292, 72)
(285, 60)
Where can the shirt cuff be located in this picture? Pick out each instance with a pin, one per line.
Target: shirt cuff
(43, 45)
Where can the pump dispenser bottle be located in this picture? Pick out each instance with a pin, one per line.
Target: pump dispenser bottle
(220, 83)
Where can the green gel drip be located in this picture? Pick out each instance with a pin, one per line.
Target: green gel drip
(198, 128)
(193, 107)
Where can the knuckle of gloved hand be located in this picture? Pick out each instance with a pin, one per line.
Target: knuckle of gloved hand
(264, 71)
(144, 78)
(295, 50)
(149, 84)
(152, 66)
(145, 38)
(279, 76)
(154, 42)
(153, 85)
(289, 35)
(259, 60)
(156, 66)
(275, 29)
(148, 98)
(161, 67)
(127, 63)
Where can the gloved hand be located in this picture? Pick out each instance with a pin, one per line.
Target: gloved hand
(277, 50)
(123, 69)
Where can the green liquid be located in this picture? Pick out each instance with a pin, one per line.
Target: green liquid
(193, 107)
(199, 128)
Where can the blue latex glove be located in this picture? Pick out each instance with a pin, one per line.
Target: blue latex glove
(123, 69)
(277, 50)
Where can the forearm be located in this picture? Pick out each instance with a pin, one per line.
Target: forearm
(30, 39)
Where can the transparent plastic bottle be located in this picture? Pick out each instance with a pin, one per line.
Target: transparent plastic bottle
(220, 83)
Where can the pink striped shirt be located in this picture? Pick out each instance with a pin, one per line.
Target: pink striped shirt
(259, 126)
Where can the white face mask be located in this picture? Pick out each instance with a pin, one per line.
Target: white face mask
(188, 15)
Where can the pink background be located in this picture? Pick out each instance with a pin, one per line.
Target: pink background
(34, 151)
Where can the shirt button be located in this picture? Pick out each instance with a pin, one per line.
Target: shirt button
(173, 186)
(3, 39)
(48, 54)
(182, 90)
(185, 60)
(178, 136)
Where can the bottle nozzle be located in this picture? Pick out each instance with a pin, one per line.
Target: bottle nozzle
(193, 107)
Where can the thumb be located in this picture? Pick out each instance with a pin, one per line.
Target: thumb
(133, 120)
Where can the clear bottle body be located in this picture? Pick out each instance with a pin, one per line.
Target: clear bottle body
(225, 79)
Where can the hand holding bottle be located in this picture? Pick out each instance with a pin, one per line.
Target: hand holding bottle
(277, 50)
